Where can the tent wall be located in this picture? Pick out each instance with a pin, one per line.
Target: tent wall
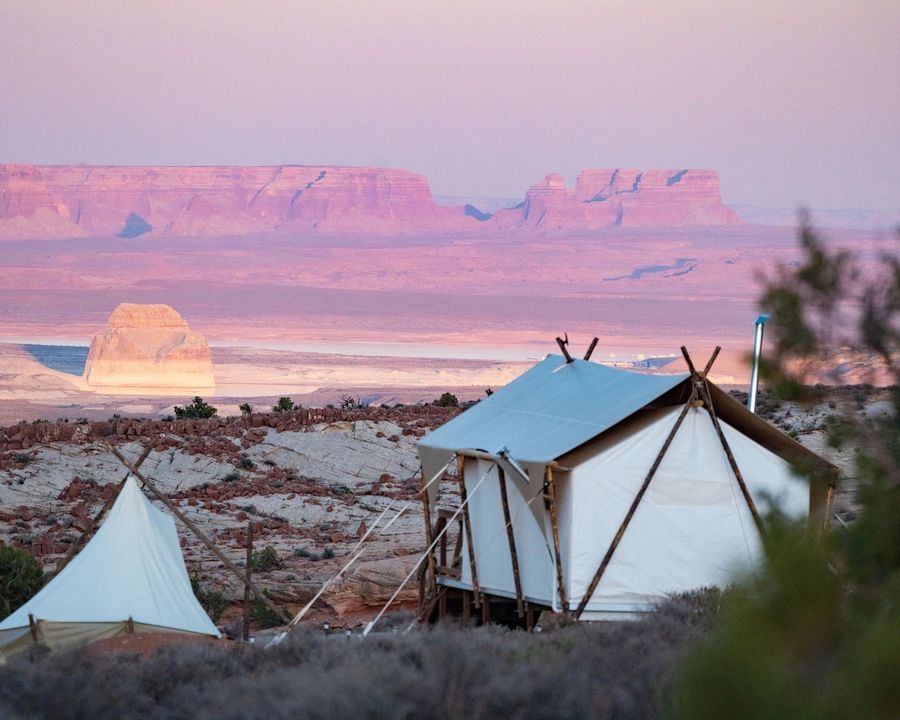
(489, 537)
(692, 528)
(132, 568)
(59, 636)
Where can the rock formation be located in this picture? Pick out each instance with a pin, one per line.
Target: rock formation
(147, 347)
(64, 201)
(74, 200)
(622, 198)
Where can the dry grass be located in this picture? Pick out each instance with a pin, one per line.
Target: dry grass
(600, 671)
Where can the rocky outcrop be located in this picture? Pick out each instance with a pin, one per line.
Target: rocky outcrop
(61, 201)
(148, 347)
(622, 198)
(57, 201)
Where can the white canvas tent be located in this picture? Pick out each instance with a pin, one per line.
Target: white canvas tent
(629, 490)
(129, 578)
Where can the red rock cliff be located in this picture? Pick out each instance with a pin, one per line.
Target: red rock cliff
(77, 200)
(622, 198)
(58, 201)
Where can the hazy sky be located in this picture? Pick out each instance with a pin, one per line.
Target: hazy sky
(793, 102)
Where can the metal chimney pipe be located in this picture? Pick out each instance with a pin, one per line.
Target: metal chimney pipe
(757, 351)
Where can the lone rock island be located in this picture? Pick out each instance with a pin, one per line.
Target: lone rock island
(148, 347)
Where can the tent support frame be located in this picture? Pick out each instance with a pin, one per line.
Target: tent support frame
(467, 526)
(235, 570)
(431, 578)
(703, 388)
(510, 536)
(550, 504)
(698, 381)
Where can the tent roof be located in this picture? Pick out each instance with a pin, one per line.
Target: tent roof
(132, 568)
(551, 409)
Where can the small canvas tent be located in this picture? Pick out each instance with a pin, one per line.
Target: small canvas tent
(129, 578)
(599, 491)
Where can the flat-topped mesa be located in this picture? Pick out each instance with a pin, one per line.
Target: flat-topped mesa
(77, 200)
(622, 198)
(148, 348)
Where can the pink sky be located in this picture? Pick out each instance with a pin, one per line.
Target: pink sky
(793, 102)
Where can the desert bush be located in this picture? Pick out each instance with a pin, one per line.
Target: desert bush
(212, 600)
(263, 616)
(264, 560)
(284, 405)
(448, 400)
(199, 409)
(23, 458)
(21, 576)
(599, 670)
(232, 477)
(816, 632)
(245, 408)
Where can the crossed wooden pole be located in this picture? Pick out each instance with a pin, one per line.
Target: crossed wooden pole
(235, 570)
(700, 397)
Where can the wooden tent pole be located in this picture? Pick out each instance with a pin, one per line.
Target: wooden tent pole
(86, 535)
(248, 568)
(550, 502)
(429, 536)
(510, 536)
(236, 571)
(590, 350)
(467, 526)
(33, 628)
(731, 461)
(634, 505)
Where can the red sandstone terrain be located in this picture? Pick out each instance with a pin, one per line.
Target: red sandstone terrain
(297, 256)
(63, 201)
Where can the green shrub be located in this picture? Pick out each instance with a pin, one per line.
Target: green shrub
(246, 408)
(263, 616)
(21, 576)
(447, 400)
(197, 410)
(213, 601)
(264, 560)
(232, 477)
(23, 458)
(284, 405)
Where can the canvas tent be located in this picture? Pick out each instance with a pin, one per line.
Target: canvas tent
(599, 491)
(130, 577)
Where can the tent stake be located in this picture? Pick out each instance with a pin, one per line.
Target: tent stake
(634, 505)
(467, 525)
(504, 499)
(550, 502)
(199, 533)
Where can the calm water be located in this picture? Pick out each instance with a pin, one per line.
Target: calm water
(64, 358)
